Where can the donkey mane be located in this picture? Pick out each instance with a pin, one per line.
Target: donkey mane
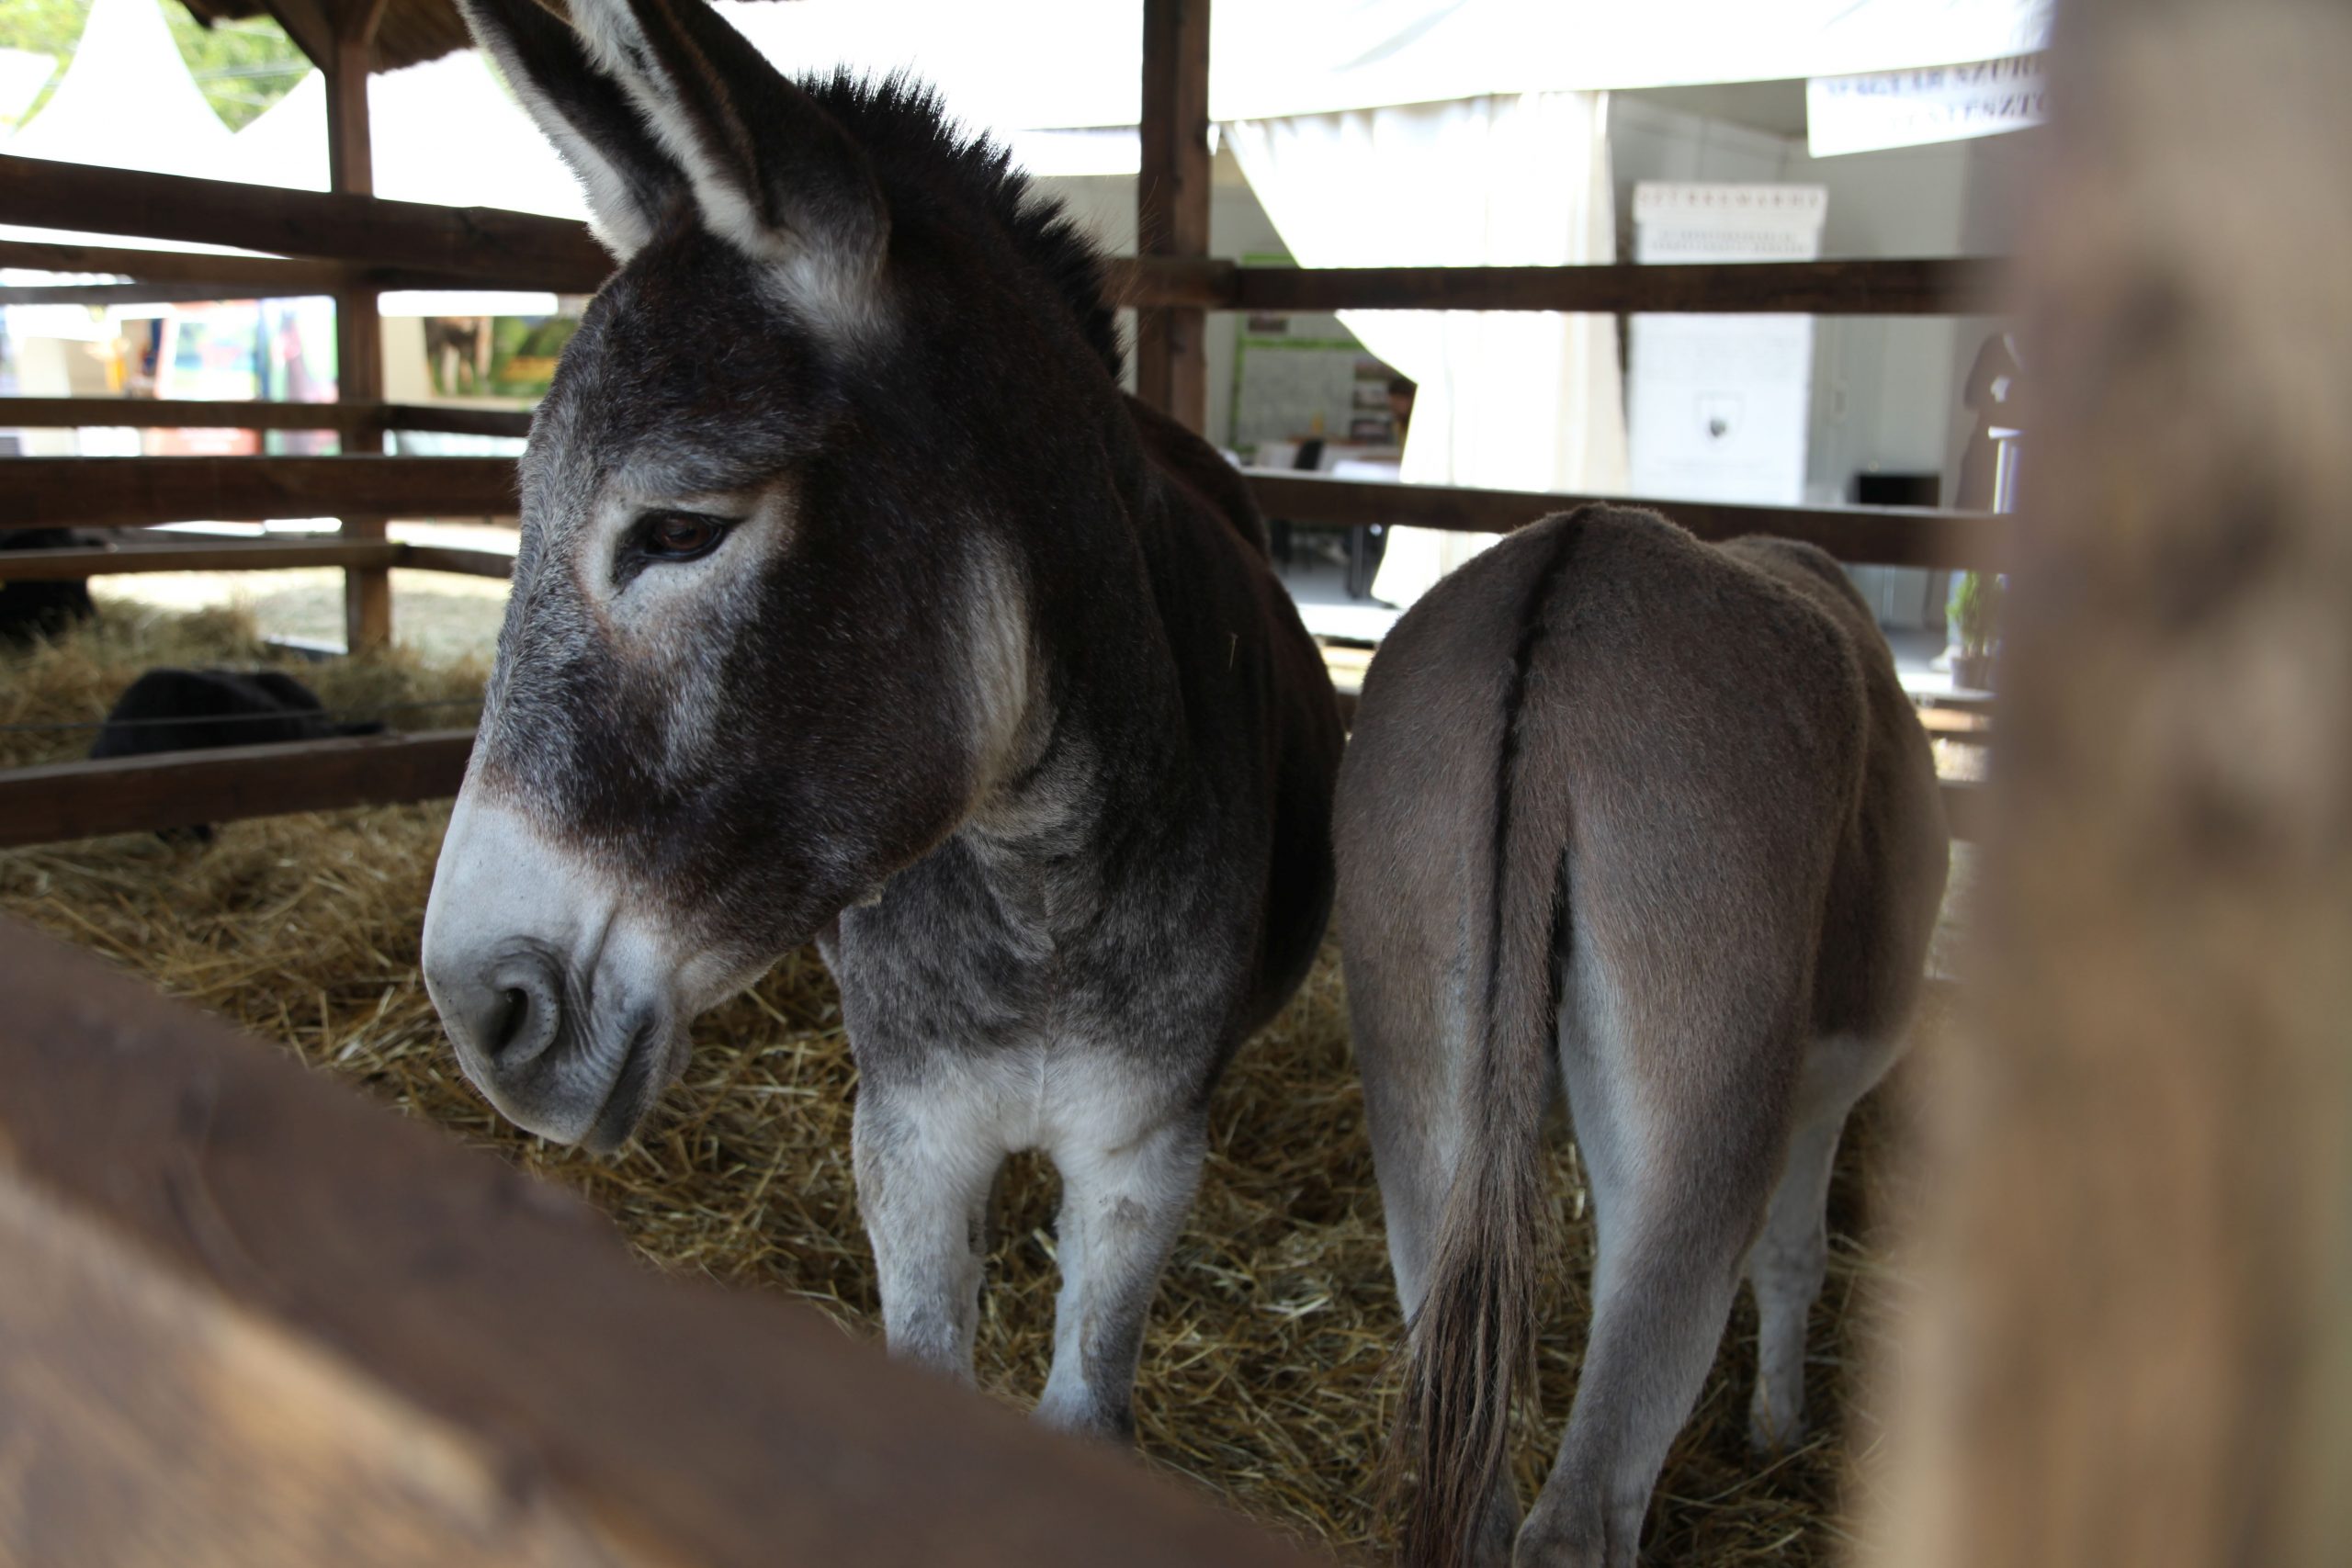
(905, 130)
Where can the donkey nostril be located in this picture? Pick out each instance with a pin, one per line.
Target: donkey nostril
(508, 1022)
(517, 1014)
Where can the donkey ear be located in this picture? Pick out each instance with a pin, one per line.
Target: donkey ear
(630, 182)
(773, 174)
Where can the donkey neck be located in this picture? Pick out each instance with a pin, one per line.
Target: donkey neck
(1102, 741)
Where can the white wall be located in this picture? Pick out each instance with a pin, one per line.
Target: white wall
(1883, 386)
(1886, 388)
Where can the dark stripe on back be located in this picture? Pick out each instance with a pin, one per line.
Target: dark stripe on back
(1532, 627)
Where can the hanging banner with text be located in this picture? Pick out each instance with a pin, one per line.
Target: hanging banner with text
(1910, 108)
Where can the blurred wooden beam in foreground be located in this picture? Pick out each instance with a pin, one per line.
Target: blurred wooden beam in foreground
(248, 1317)
(2133, 1342)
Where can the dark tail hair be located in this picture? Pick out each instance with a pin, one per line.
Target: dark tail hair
(1471, 1350)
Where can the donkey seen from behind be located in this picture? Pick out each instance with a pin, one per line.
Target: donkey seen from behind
(854, 603)
(1650, 822)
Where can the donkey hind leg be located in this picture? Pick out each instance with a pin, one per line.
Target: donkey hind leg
(1418, 1126)
(1125, 1195)
(926, 1161)
(1790, 1259)
(1678, 1193)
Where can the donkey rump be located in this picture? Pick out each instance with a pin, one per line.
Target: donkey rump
(1651, 825)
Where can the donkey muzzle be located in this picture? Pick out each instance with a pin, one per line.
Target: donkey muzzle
(560, 996)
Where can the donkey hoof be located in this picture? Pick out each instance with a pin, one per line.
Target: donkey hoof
(1549, 1540)
(1771, 1434)
(1087, 1420)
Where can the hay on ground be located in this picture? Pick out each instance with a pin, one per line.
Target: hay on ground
(1266, 1377)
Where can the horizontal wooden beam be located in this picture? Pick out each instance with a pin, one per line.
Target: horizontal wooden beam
(257, 555)
(485, 247)
(281, 276)
(181, 413)
(1148, 282)
(456, 421)
(91, 492)
(1902, 288)
(104, 294)
(492, 248)
(180, 789)
(463, 562)
(1899, 288)
(204, 275)
(57, 492)
(254, 1313)
(78, 800)
(176, 413)
(1873, 535)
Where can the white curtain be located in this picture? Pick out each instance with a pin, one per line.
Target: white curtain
(1507, 401)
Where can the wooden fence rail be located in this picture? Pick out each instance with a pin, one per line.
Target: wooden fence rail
(281, 276)
(230, 277)
(180, 789)
(1885, 288)
(56, 493)
(208, 554)
(179, 414)
(131, 794)
(251, 1317)
(490, 248)
(415, 244)
(46, 492)
(1877, 535)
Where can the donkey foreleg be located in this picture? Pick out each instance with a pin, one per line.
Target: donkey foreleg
(1126, 1192)
(924, 1172)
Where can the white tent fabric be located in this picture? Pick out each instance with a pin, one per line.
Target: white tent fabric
(1507, 400)
(1308, 56)
(127, 101)
(1050, 63)
(444, 131)
(23, 74)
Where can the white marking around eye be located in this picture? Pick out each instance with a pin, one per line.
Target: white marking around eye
(674, 623)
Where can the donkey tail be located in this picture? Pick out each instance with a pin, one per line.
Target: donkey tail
(1472, 1347)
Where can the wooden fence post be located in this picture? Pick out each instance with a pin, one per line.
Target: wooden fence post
(358, 326)
(1172, 202)
(2133, 1341)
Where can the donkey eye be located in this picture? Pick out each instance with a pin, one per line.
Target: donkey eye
(679, 535)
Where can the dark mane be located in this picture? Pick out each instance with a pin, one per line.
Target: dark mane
(904, 127)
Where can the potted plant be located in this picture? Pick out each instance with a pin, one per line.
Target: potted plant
(1976, 616)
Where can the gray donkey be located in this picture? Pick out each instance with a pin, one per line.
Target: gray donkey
(854, 603)
(1651, 821)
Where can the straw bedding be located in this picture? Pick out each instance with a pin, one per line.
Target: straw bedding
(1266, 1376)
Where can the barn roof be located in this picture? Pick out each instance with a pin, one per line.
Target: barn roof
(412, 31)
